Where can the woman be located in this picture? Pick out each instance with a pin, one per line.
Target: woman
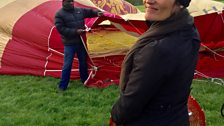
(157, 72)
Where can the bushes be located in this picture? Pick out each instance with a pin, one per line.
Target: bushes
(135, 2)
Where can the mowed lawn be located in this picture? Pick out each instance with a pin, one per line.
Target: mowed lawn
(220, 0)
(34, 101)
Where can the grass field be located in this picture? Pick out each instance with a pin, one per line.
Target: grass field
(220, 0)
(33, 101)
(141, 8)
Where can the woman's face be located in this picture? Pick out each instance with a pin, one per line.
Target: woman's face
(159, 10)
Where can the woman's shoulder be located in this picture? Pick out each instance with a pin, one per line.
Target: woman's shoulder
(178, 37)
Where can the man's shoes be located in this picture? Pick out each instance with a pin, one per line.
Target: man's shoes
(60, 89)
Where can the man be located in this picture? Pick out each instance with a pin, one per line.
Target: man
(69, 21)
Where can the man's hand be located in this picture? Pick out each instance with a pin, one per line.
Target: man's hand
(80, 31)
(100, 13)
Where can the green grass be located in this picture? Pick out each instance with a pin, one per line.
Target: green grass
(33, 101)
(141, 8)
(220, 0)
(210, 97)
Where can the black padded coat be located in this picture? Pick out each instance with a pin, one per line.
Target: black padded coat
(68, 21)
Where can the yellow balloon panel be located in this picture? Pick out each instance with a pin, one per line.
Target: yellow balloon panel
(104, 42)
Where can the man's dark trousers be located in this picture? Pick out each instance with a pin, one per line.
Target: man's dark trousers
(69, 53)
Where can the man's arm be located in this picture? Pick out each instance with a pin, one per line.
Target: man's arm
(89, 13)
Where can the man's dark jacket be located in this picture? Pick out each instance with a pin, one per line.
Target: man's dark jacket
(68, 21)
(157, 73)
